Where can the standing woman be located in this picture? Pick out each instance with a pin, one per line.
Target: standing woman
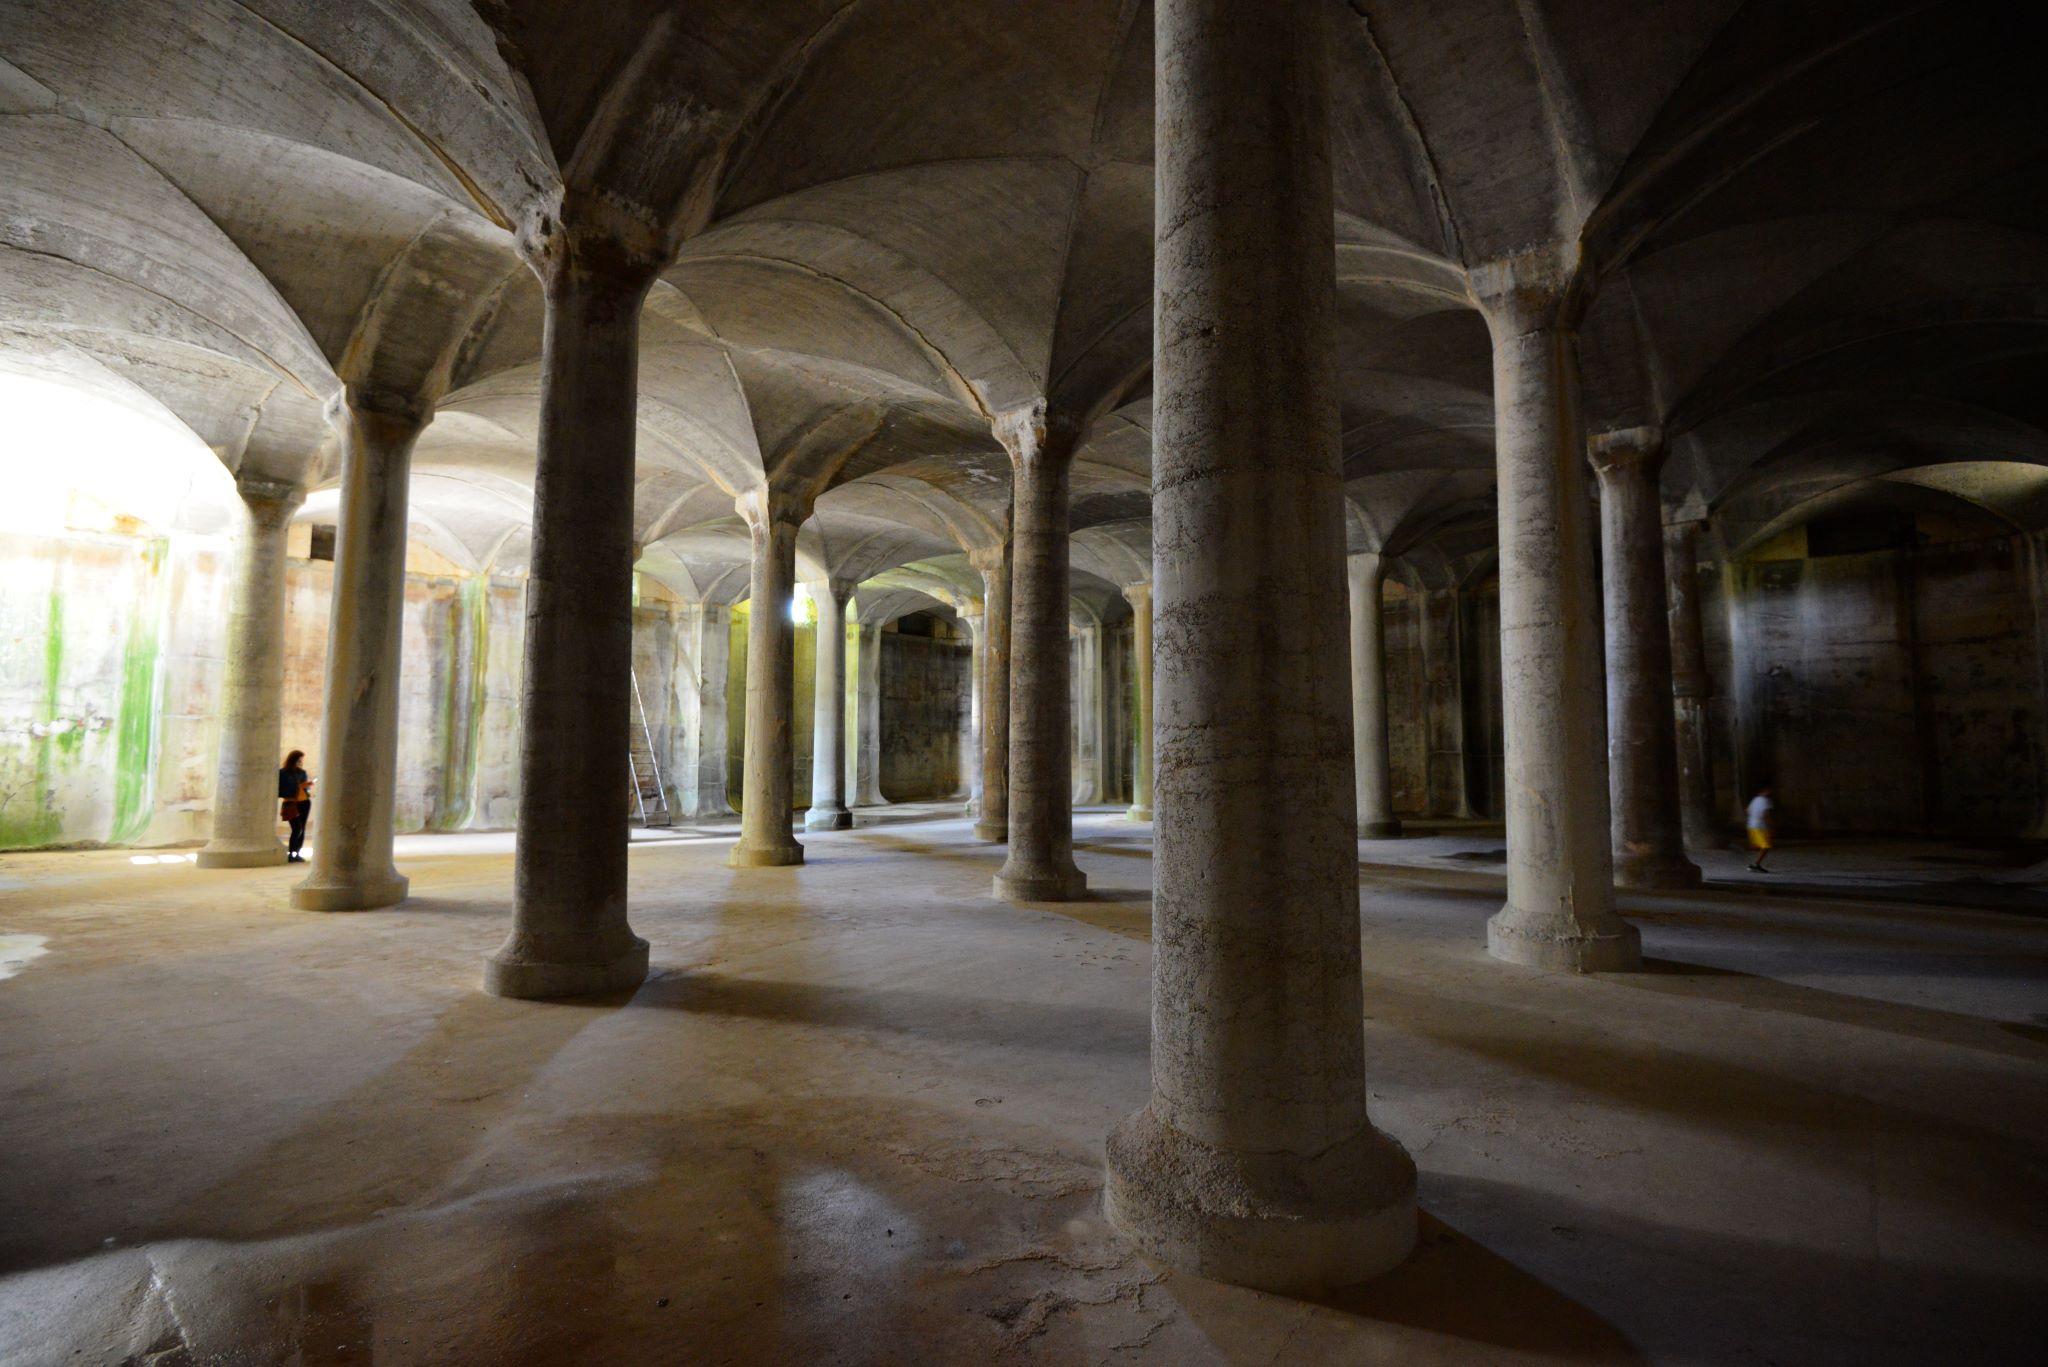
(296, 792)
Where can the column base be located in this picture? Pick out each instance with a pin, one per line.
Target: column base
(995, 832)
(1379, 830)
(1272, 1221)
(746, 856)
(227, 855)
(1558, 944)
(1655, 872)
(328, 893)
(532, 980)
(1139, 814)
(1065, 885)
(828, 819)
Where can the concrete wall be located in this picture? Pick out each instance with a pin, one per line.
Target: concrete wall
(1407, 737)
(1444, 736)
(109, 682)
(925, 683)
(1889, 691)
(110, 689)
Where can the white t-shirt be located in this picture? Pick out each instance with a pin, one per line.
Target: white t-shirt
(1760, 812)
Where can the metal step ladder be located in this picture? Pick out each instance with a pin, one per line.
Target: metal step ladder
(650, 795)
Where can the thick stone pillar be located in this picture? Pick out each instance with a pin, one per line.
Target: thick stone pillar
(1255, 1160)
(1139, 596)
(866, 759)
(1560, 903)
(992, 820)
(252, 687)
(1367, 574)
(1040, 866)
(1691, 686)
(1111, 703)
(570, 935)
(829, 811)
(767, 782)
(1085, 659)
(358, 779)
(1642, 753)
(970, 713)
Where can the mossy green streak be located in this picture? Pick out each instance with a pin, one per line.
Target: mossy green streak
(135, 721)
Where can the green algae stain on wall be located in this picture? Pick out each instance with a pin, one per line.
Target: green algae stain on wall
(135, 720)
(28, 815)
(464, 702)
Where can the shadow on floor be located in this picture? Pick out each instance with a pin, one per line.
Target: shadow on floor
(1709, 983)
(1457, 1287)
(1748, 1103)
(989, 857)
(937, 1016)
(1975, 894)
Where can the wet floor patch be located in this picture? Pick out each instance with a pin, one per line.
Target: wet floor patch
(17, 951)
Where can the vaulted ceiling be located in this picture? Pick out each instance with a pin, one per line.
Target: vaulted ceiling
(1816, 239)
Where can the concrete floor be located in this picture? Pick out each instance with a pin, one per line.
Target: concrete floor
(855, 1116)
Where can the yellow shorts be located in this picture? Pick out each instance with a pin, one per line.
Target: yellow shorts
(1759, 840)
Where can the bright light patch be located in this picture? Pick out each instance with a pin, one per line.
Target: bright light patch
(76, 461)
(17, 950)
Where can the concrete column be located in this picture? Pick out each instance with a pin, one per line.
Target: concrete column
(1642, 752)
(358, 756)
(970, 714)
(1691, 686)
(1040, 866)
(768, 766)
(1255, 1160)
(1560, 902)
(1367, 574)
(867, 719)
(570, 936)
(828, 713)
(252, 686)
(714, 663)
(992, 821)
(1110, 756)
(1139, 596)
(1085, 694)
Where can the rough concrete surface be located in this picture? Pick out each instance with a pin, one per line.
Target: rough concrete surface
(1811, 1133)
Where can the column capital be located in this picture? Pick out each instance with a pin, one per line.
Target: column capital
(359, 399)
(595, 237)
(1624, 450)
(1037, 431)
(1539, 290)
(774, 505)
(839, 591)
(1139, 594)
(274, 493)
(986, 560)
